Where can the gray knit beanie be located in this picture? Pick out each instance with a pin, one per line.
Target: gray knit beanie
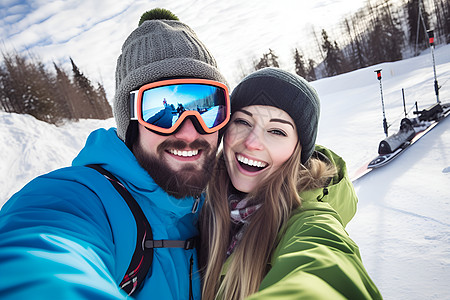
(286, 91)
(158, 49)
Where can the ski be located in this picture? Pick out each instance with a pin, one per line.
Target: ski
(394, 145)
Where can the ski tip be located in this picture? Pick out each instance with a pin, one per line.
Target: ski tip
(360, 173)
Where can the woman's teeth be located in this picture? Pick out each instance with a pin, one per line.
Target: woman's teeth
(250, 162)
(184, 153)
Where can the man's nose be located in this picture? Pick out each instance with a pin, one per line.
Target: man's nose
(187, 132)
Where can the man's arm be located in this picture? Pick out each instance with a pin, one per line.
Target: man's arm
(56, 243)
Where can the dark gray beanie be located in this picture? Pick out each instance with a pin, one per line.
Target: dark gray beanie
(158, 49)
(286, 91)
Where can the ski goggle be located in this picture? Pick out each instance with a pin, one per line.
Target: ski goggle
(163, 106)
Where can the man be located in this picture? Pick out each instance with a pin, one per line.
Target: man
(69, 234)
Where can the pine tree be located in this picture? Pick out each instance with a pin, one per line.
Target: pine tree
(65, 92)
(86, 93)
(269, 59)
(263, 62)
(393, 33)
(5, 88)
(356, 57)
(334, 60)
(300, 68)
(273, 59)
(385, 38)
(47, 108)
(26, 87)
(445, 19)
(311, 72)
(105, 107)
(376, 55)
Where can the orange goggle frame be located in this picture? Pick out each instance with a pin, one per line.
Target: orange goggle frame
(162, 106)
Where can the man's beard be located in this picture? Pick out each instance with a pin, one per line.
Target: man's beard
(189, 180)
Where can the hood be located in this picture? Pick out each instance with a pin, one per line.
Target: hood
(105, 148)
(340, 193)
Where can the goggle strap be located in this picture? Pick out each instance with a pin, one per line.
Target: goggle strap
(133, 105)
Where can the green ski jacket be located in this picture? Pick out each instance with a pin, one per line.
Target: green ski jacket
(315, 258)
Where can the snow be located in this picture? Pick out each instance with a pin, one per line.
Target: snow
(402, 225)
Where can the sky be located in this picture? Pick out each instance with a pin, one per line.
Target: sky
(402, 223)
(235, 31)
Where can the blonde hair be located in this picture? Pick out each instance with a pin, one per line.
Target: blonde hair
(279, 193)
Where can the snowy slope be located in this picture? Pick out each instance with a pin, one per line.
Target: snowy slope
(402, 225)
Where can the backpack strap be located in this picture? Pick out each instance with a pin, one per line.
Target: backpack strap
(142, 256)
(143, 253)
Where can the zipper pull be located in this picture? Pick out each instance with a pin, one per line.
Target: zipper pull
(195, 206)
(325, 192)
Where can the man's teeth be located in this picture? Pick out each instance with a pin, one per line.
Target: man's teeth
(251, 162)
(184, 153)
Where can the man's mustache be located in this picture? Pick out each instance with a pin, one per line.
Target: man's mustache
(181, 145)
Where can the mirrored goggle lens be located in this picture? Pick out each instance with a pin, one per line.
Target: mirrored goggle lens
(162, 106)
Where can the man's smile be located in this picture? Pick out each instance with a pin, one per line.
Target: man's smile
(184, 153)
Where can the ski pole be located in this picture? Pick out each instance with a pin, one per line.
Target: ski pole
(385, 125)
(436, 86)
(404, 104)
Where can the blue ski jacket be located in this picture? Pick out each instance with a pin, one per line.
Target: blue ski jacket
(70, 235)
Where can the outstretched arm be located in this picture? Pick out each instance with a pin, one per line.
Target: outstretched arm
(316, 259)
(56, 243)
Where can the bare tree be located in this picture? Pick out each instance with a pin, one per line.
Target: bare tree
(418, 22)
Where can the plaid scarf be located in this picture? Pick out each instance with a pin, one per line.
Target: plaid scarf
(240, 212)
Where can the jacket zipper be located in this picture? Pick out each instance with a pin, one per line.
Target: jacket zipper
(195, 206)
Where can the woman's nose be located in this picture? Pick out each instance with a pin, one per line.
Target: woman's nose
(254, 141)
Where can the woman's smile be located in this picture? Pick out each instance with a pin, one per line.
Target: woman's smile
(250, 165)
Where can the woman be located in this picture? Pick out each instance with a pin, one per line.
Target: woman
(273, 225)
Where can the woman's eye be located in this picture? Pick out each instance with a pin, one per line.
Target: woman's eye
(278, 132)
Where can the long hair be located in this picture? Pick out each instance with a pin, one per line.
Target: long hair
(279, 196)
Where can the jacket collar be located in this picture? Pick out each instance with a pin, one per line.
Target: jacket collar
(105, 148)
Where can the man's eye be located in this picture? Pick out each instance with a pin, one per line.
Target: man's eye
(242, 122)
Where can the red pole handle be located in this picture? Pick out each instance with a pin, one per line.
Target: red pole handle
(378, 74)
